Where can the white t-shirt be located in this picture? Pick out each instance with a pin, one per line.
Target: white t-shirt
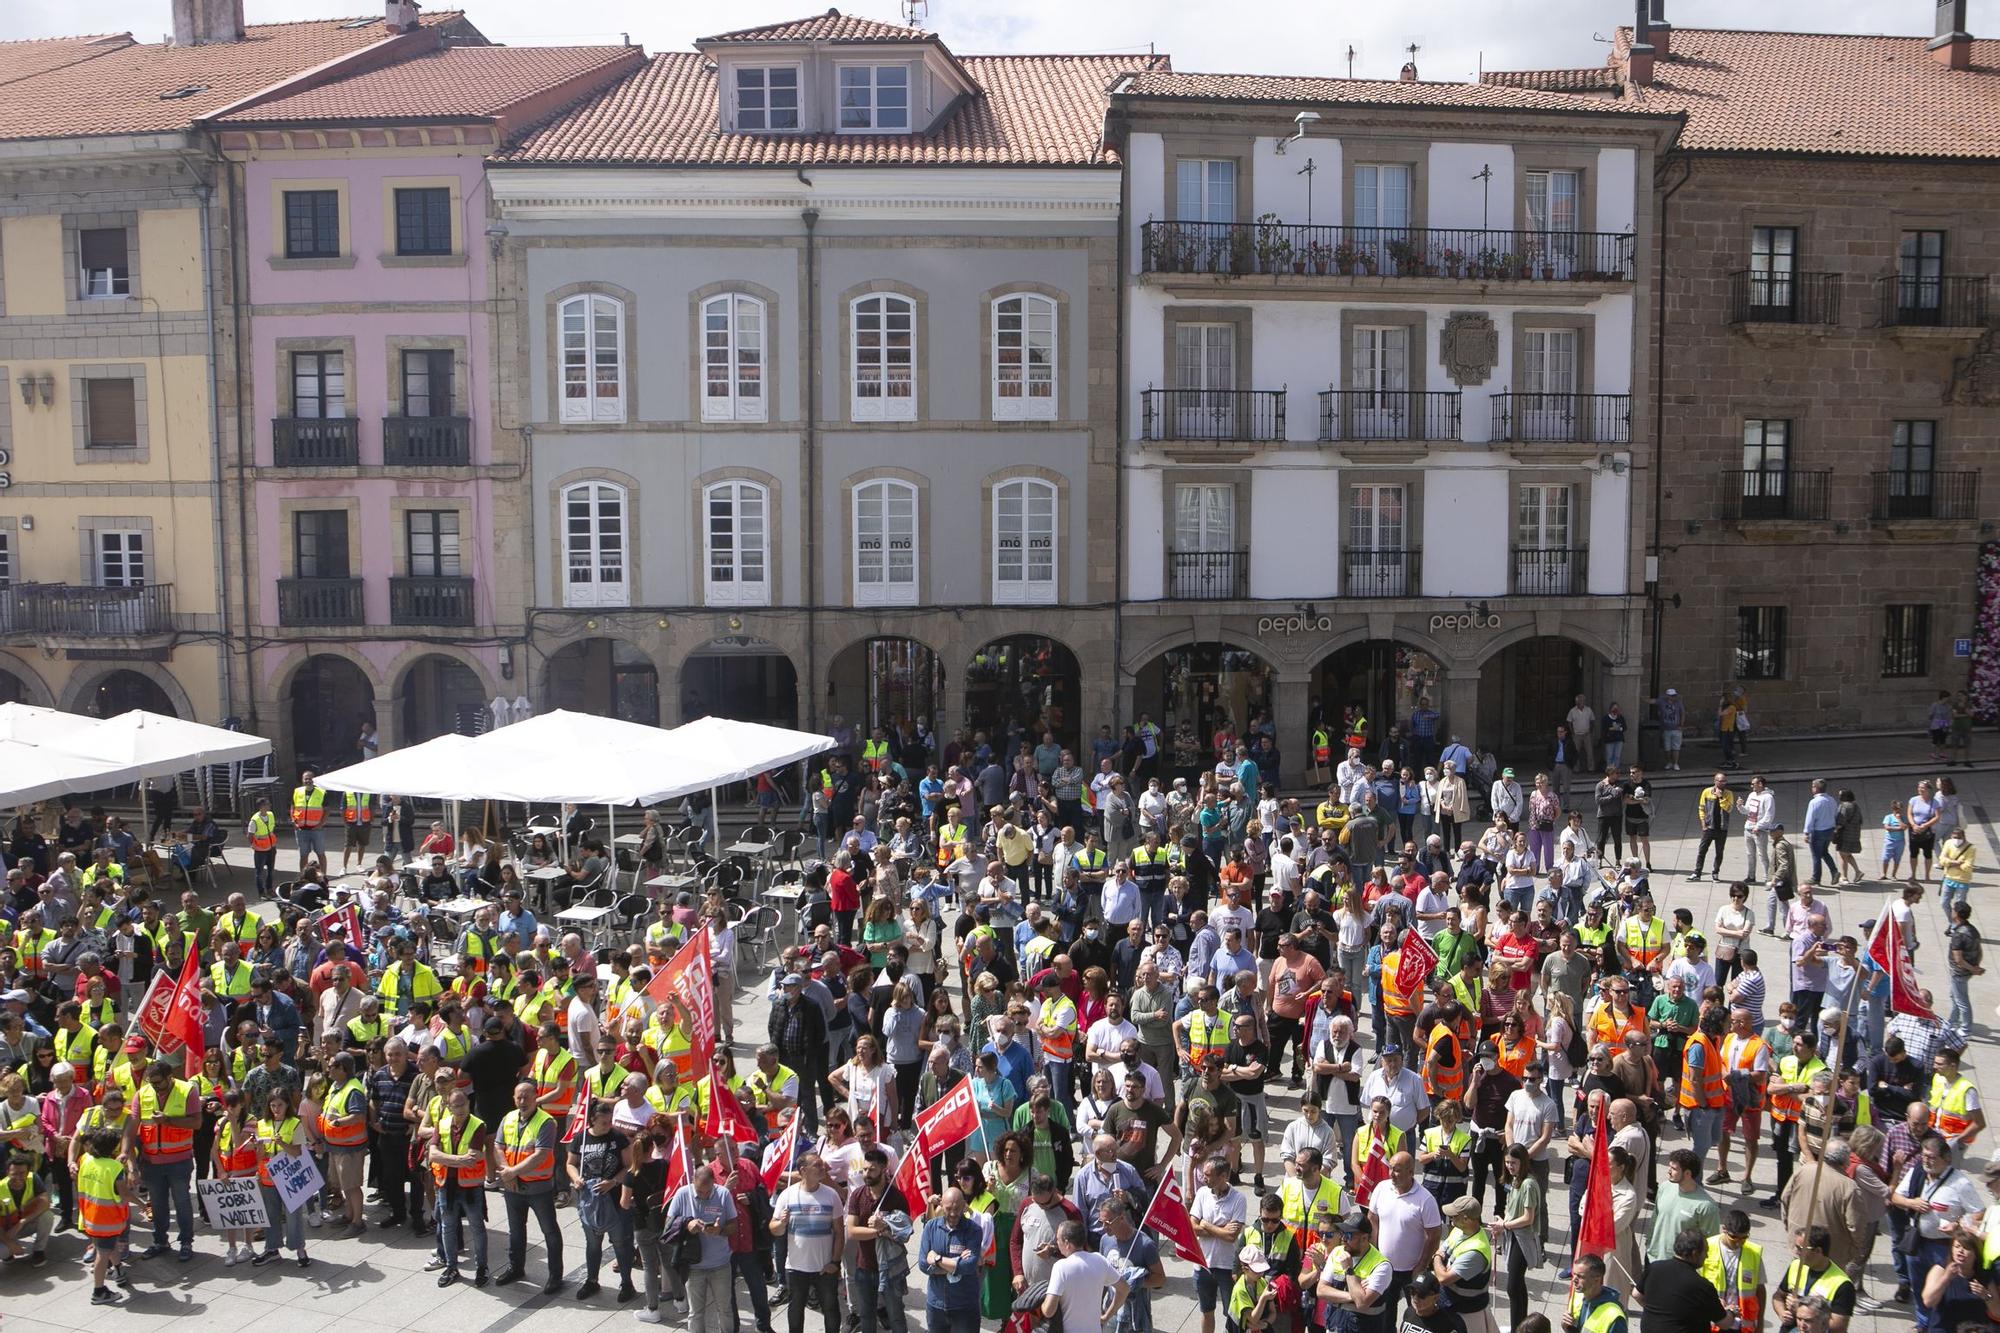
(1532, 1112)
(809, 1217)
(1081, 1279)
(629, 1119)
(1220, 1210)
(1105, 1035)
(583, 1023)
(1400, 1220)
(1222, 918)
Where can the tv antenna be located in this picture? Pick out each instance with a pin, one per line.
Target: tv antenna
(915, 12)
(1350, 60)
(1485, 178)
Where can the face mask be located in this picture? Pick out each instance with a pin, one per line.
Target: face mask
(1002, 1040)
(1489, 1063)
(1090, 932)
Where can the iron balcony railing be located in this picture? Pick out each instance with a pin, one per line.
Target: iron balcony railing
(315, 441)
(1784, 298)
(1238, 415)
(75, 611)
(1541, 571)
(426, 441)
(1381, 572)
(430, 601)
(1311, 250)
(1209, 576)
(1934, 302)
(1778, 494)
(1577, 418)
(1388, 414)
(1938, 495)
(307, 602)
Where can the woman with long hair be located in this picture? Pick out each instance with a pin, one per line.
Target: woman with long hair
(1006, 1185)
(1524, 1225)
(209, 1085)
(233, 1155)
(867, 1083)
(282, 1132)
(902, 1037)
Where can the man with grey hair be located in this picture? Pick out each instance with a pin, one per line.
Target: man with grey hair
(388, 1090)
(1836, 1205)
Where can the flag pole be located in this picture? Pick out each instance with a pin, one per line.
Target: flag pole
(1833, 1092)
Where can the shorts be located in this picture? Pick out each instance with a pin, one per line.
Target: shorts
(357, 837)
(1749, 1121)
(1638, 828)
(1252, 1116)
(1670, 739)
(1938, 735)
(1209, 1286)
(1925, 842)
(344, 1169)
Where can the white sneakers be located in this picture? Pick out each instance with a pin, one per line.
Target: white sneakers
(234, 1257)
(649, 1317)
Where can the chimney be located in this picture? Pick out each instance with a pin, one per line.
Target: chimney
(202, 22)
(1409, 74)
(1662, 31)
(1953, 44)
(400, 15)
(1639, 63)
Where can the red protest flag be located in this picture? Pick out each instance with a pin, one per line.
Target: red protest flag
(1167, 1216)
(1886, 951)
(1374, 1169)
(151, 1019)
(1021, 1321)
(183, 1021)
(949, 1121)
(1415, 962)
(913, 1175)
(679, 1170)
(725, 1114)
(1597, 1233)
(778, 1157)
(686, 978)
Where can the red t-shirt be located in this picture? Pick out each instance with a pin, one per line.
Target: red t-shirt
(842, 892)
(1518, 953)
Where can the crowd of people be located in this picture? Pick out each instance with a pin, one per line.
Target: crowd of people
(1126, 982)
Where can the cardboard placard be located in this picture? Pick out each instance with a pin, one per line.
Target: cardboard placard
(297, 1178)
(233, 1205)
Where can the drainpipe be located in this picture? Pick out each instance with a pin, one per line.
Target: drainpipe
(1118, 438)
(240, 280)
(810, 217)
(204, 193)
(1660, 424)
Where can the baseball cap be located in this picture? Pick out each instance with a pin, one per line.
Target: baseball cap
(1350, 1223)
(1254, 1259)
(1423, 1284)
(1506, 772)
(16, 996)
(1392, 1049)
(792, 979)
(1463, 1205)
(1672, 692)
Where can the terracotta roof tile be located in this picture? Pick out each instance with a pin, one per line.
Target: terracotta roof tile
(120, 91)
(832, 26)
(459, 81)
(24, 60)
(1031, 111)
(1601, 78)
(1361, 92)
(1789, 92)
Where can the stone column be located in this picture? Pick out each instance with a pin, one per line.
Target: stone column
(1460, 705)
(1290, 697)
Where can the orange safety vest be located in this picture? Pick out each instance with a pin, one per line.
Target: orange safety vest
(519, 1142)
(469, 1177)
(1740, 1053)
(1444, 1081)
(308, 806)
(263, 831)
(237, 1159)
(551, 1074)
(160, 1142)
(1395, 1002)
(1513, 1059)
(1609, 1029)
(354, 809)
(1322, 747)
(353, 1134)
(1060, 1044)
(1644, 945)
(100, 1210)
(1713, 1094)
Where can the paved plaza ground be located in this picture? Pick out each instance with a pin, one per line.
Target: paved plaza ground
(375, 1284)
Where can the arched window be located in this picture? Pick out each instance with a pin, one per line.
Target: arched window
(1024, 541)
(595, 545)
(736, 537)
(592, 329)
(733, 338)
(885, 544)
(1024, 358)
(884, 337)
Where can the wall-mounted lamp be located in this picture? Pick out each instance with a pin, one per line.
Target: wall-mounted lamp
(27, 390)
(1299, 124)
(27, 522)
(506, 661)
(48, 383)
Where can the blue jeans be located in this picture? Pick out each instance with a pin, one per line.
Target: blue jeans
(1820, 842)
(1952, 892)
(1704, 1127)
(1958, 1020)
(1614, 754)
(751, 1277)
(1153, 907)
(1062, 1081)
(468, 1203)
(293, 1223)
(951, 1321)
(171, 1181)
(1914, 1268)
(312, 842)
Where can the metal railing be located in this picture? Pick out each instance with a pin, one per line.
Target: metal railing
(70, 610)
(1214, 414)
(1934, 302)
(1784, 298)
(1381, 572)
(1579, 418)
(319, 602)
(1311, 250)
(431, 601)
(1938, 495)
(1388, 414)
(315, 441)
(1778, 494)
(1541, 571)
(1208, 575)
(426, 441)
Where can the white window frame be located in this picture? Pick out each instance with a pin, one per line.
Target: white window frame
(744, 549)
(874, 70)
(798, 98)
(597, 590)
(1022, 576)
(586, 352)
(1545, 517)
(1546, 197)
(1024, 357)
(1200, 184)
(1369, 179)
(895, 398)
(875, 571)
(120, 555)
(740, 344)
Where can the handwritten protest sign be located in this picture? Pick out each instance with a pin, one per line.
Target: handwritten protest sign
(297, 1179)
(233, 1205)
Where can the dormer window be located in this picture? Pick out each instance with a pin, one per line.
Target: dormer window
(767, 97)
(874, 97)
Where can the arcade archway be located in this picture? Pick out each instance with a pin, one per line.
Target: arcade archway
(1203, 692)
(122, 691)
(1528, 687)
(1024, 685)
(330, 698)
(607, 678)
(883, 683)
(440, 694)
(1380, 680)
(743, 678)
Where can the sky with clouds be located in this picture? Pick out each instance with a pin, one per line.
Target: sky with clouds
(1453, 37)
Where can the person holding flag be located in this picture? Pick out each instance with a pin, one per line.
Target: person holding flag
(706, 1211)
(1593, 1307)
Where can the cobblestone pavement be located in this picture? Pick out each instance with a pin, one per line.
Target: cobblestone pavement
(376, 1284)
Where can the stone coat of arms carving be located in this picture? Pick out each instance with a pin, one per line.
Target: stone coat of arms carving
(1470, 346)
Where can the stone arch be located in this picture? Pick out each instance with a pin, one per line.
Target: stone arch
(1145, 654)
(1397, 633)
(281, 684)
(1529, 628)
(77, 692)
(549, 688)
(34, 689)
